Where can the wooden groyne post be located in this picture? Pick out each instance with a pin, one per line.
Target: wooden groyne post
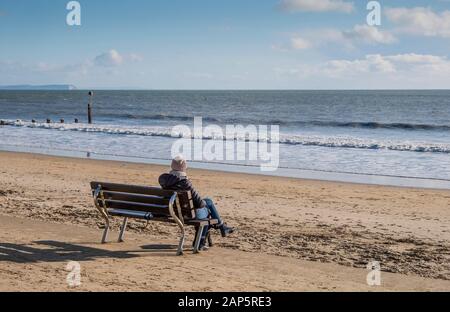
(91, 95)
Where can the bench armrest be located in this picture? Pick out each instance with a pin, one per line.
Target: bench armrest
(98, 193)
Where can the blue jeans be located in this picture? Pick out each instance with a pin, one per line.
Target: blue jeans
(209, 210)
(205, 213)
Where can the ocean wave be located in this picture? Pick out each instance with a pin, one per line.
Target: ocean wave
(287, 139)
(345, 142)
(160, 117)
(299, 123)
(377, 125)
(361, 125)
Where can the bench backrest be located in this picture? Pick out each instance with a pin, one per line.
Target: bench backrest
(186, 205)
(142, 198)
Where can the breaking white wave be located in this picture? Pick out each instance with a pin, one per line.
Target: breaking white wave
(288, 139)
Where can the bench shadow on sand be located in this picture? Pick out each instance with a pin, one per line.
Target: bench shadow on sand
(54, 251)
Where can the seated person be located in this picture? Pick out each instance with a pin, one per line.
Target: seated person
(177, 180)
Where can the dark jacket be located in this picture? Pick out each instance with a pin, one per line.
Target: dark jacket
(173, 183)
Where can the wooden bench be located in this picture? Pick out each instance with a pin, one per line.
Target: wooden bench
(150, 204)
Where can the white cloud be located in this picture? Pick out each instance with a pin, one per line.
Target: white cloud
(360, 34)
(369, 34)
(400, 63)
(420, 21)
(105, 65)
(374, 71)
(418, 58)
(316, 5)
(370, 64)
(298, 43)
(109, 59)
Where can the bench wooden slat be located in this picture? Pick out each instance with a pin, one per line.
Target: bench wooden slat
(144, 216)
(201, 222)
(130, 197)
(132, 189)
(154, 209)
(131, 214)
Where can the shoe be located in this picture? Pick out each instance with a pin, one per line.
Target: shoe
(226, 230)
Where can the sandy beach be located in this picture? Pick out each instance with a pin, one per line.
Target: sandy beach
(293, 235)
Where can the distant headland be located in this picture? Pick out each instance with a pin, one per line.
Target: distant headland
(56, 87)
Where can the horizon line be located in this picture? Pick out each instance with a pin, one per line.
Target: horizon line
(255, 89)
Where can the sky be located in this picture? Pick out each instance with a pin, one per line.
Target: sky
(227, 44)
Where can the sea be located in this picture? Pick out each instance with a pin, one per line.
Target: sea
(397, 138)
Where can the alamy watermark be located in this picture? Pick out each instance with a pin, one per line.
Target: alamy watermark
(374, 16)
(73, 278)
(374, 276)
(73, 18)
(251, 143)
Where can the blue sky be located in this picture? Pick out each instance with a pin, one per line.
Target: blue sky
(228, 44)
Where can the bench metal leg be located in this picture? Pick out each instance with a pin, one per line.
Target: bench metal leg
(198, 238)
(181, 245)
(210, 241)
(123, 229)
(105, 233)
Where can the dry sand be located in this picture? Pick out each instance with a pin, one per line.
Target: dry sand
(293, 234)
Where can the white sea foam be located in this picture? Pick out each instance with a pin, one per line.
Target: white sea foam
(288, 139)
